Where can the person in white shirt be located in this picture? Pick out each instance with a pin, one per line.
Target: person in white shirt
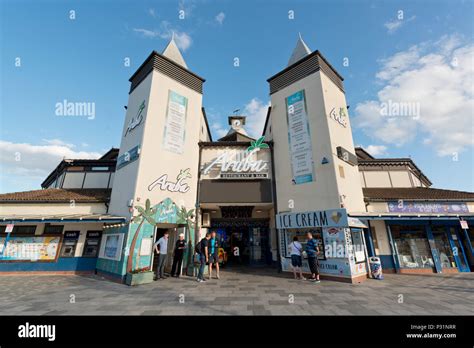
(296, 249)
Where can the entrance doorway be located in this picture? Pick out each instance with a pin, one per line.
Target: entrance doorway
(247, 246)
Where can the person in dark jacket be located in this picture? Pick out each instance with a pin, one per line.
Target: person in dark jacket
(213, 254)
(203, 256)
(179, 248)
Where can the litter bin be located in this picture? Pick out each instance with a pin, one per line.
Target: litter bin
(376, 268)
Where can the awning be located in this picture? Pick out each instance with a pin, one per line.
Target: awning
(63, 218)
(405, 216)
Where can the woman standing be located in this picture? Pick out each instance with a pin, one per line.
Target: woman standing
(296, 262)
(178, 256)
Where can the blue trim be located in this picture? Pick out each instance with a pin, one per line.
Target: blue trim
(408, 218)
(121, 220)
(460, 253)
(469, 243)
(368, 241)
(396, 262)
(387, 262)
(434, 250)
(79, 264)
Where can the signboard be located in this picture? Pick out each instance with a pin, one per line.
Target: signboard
(29, 248)
(175, 123)
(71, 235)
(339, 114)
(334, 242)
(402, 206)
(346, 156)
(146, 246)
(322, 218)
(239, 165)
(299, 138)
(136, 120)
(464, 224)
(9, 228)
(128, 157)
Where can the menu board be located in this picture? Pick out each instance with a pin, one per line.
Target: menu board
(299, 138)
(29, 248)
(175, 123)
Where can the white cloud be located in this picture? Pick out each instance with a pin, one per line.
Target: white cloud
(151, 12)
(394, 25)
(219, 130)
(183, 39)
(436, 76)
(256, 112)
(35, 162)
(220, 18)
(376, 150)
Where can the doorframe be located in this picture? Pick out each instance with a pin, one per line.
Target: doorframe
(453, 246)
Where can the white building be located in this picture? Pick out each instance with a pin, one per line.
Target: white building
(303, 174)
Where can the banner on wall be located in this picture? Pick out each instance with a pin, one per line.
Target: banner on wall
(299, 138)
(402, 206)
(175, 123)
(29, 248)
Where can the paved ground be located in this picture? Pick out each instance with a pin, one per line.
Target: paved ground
(245, 292)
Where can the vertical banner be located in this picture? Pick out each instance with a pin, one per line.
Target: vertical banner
(175, 123)
(299, 138)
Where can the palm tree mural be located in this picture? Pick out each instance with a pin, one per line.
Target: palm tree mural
(257, 144)
(144, 215)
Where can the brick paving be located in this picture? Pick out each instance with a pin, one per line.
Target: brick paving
(239, 292)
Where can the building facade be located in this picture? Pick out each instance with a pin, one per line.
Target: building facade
(303, 174)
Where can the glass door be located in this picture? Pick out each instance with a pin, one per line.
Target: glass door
(458, 250)
(442, 244)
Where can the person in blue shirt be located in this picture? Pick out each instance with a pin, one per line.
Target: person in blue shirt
(213, 254)
(312, 250)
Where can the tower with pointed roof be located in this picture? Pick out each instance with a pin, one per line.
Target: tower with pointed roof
(309, 124)
(163, 125)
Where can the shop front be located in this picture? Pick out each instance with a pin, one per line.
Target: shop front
(342, 253)
(68, 247)
(423, 244)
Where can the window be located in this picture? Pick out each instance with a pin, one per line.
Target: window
(96, 180)
(30, 230)
(48, 229)
(73, 180)
(301, 234)
(411, 246)
(446, 256)
(358, 244)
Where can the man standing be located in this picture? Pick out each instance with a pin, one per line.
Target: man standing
(213, 254)
(312, 250)
(203, 250)
(178, 256)
(161, 247)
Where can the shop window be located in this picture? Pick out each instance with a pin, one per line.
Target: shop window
(412, 246)
(301, 234)
(444, 249)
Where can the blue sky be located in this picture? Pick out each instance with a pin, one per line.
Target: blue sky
(423, 55)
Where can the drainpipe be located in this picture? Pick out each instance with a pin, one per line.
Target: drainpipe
(275, 206)
(198, 214)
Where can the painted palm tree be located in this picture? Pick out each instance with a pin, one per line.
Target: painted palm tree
(184, 174)
(257, 144)
(144, 215)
